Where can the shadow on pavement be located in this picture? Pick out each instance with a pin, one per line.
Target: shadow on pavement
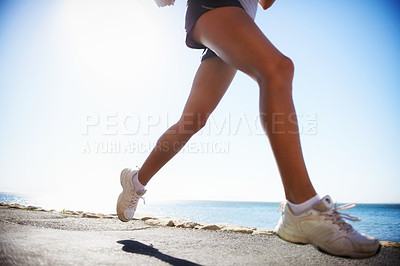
(140, 248)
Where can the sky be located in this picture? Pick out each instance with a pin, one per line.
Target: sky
(87, 87)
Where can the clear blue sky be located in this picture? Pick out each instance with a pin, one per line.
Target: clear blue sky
(77, 74)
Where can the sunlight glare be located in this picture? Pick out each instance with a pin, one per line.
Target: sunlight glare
(111, 41)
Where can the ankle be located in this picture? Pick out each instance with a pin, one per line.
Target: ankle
(136, 183)
(300, 194)
(298, 209)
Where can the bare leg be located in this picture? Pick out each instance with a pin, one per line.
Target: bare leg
(231, 33)
(210, 84)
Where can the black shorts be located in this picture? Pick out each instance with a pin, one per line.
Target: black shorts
(194, 10)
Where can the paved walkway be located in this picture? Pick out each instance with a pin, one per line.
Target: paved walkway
(33, 238)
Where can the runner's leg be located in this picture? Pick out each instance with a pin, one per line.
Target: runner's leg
(210, 83)
(237, 40)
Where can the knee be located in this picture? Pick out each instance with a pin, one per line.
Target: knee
(286, 69)
(277, 74)
(191, 123)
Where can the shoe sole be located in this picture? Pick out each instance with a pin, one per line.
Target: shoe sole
(120, 212)
(353, 255)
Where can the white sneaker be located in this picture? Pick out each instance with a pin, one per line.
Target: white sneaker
(128, 199)
(324, 228)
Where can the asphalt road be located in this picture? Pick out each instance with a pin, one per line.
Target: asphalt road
(43, 238)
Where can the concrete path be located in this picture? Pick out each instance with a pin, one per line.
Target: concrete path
(43, 238)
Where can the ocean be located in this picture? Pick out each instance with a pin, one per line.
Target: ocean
(379, 220)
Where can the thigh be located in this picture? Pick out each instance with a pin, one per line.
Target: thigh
(209, 85)
(237, 40)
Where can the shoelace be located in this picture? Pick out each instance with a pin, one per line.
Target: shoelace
(136, 197)
(281, 205)
(134, 202)
(338, 217)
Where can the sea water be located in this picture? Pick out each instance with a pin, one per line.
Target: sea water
(379, 220)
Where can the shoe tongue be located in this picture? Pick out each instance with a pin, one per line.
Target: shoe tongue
(325, 204)
(141, 192)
